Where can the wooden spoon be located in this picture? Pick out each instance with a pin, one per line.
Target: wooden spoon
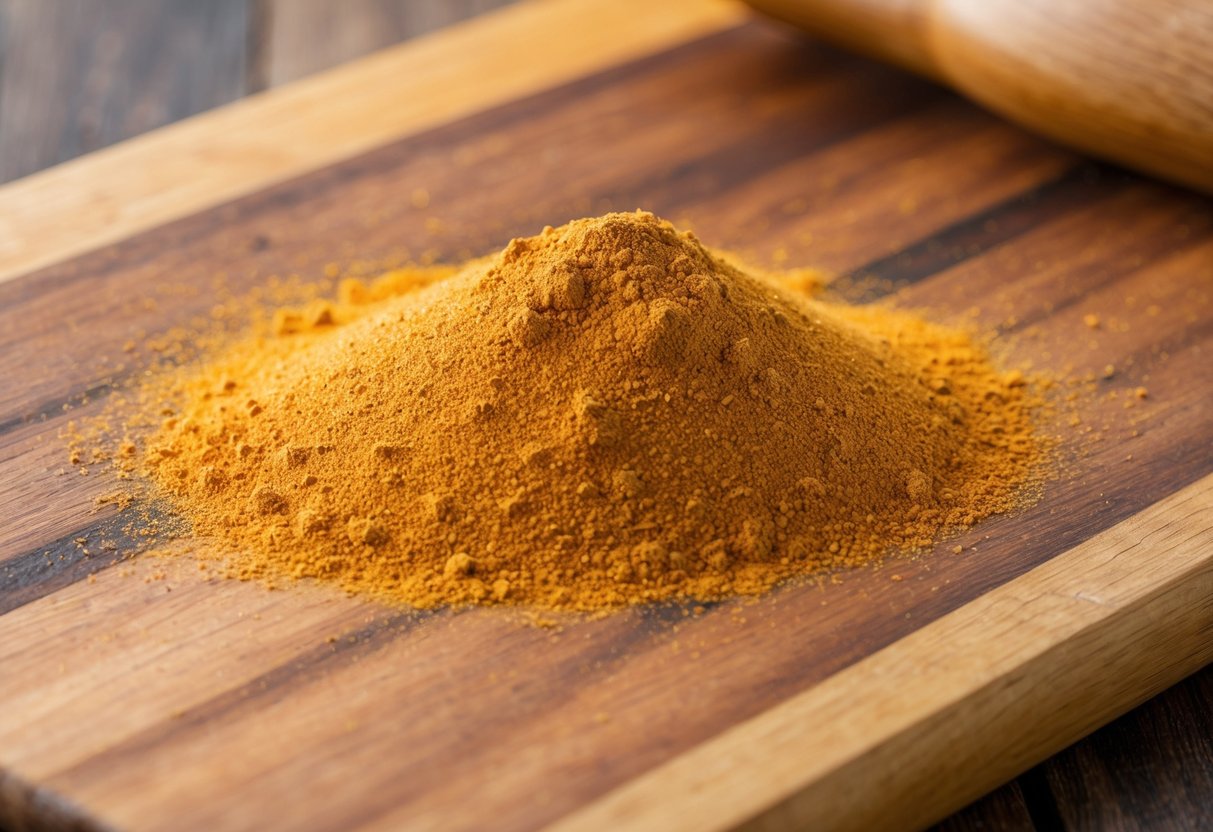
(1128, 80)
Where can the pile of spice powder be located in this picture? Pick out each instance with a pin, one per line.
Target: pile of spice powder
(604, 414)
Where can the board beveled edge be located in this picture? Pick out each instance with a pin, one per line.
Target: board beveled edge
(1105, 626)
(249, 145)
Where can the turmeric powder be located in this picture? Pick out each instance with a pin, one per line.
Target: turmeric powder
(604, 414)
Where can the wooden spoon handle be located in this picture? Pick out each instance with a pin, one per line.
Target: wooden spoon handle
(1126, 80)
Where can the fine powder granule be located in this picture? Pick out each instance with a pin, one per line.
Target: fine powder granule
(603, 414)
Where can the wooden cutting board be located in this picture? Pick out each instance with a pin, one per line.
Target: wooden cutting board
(143, 695)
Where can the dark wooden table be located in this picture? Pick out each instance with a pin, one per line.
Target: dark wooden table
(76, 75)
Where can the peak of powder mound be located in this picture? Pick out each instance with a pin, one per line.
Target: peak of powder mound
(603, 414)
(626, 283)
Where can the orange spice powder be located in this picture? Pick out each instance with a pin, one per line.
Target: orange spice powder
(605, 414)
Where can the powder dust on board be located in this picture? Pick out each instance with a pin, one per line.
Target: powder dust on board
(604, 414)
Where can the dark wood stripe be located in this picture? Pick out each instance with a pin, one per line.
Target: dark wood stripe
(352, 647)
(1078, 188)
(349, 648)
(1113, 270)
(489, 728)
(727, 168)
(57, 407)
(62, 562)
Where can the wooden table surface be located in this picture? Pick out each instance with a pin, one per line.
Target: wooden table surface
(76, 75)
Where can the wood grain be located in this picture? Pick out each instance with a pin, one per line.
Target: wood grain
(257, 142)
(465, 719)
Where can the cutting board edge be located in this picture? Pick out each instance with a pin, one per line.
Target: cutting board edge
(755, 775)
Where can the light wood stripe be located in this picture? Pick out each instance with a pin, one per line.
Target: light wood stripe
(245, 147)
(961, 705)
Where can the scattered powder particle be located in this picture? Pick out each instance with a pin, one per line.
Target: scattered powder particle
(1091, 320)
(604, 414)
(459, 565)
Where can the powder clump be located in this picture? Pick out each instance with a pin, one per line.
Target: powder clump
(604, 414)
